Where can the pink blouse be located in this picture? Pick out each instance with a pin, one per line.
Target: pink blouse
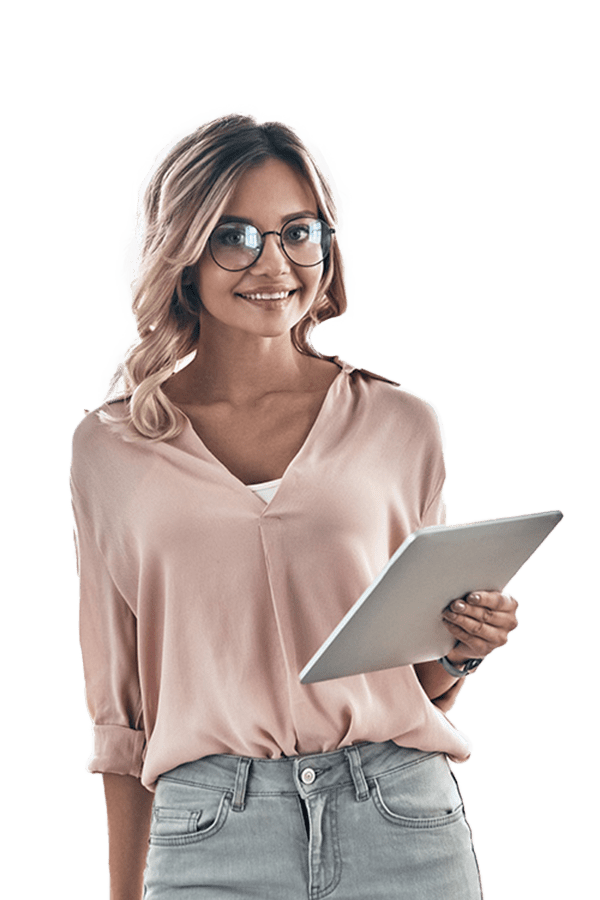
(201, 603)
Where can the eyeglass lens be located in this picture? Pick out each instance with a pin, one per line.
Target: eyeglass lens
(237, 245)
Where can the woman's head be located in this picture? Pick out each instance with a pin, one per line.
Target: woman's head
(264, 269)
(182, 206)
(184, 195)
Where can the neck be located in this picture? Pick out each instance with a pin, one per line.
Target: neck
(239, 367)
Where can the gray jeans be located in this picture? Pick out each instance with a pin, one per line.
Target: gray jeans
(368, 822)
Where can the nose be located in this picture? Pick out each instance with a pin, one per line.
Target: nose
(272, 260)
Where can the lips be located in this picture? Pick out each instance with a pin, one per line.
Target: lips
(267, 295)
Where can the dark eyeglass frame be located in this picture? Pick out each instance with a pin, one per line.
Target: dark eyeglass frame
(279, 234)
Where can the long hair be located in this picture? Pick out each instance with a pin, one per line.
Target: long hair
(181, 207)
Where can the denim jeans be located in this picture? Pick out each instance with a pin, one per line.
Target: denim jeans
(367, 822)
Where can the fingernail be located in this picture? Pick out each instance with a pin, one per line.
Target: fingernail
(474, 598)
(458, 606)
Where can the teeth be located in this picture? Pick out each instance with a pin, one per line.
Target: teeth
(279, 296)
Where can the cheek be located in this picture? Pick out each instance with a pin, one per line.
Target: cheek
(212, 282)
(201, 278)
(312, 280)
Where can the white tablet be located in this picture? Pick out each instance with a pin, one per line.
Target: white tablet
(397, 621)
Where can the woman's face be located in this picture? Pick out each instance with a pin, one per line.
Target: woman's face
(267, 197)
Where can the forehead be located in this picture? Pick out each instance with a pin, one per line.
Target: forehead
(273, 190)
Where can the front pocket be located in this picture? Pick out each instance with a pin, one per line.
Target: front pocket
(168, 821)
(423, 794)
(174, 825)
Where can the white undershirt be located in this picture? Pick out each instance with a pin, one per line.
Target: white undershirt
(266, 489)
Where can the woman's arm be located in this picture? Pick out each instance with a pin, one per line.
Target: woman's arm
(129, 809)
(439, 685)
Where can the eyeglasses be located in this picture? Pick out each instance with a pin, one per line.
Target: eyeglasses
(236, 245)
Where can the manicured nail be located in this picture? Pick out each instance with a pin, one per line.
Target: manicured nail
(458, 606)
(474, 598)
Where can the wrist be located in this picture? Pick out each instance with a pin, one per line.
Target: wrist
(458, 657)
(459, 670)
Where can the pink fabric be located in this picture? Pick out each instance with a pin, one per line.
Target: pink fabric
(200, 604)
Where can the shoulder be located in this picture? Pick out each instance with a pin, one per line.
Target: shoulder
(92, 430)
(97, 446)
(392, 403)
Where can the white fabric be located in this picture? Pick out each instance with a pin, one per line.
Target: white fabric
(266, 490)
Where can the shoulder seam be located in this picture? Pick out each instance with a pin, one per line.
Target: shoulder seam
(379, 377)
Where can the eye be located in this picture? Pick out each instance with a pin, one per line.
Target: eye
(230, 236)
(297, 233)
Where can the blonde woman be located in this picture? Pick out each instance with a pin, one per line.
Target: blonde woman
(229, 510)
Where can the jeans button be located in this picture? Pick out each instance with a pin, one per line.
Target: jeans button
(308, 776)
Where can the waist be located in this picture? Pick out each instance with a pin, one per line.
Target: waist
(307, 774)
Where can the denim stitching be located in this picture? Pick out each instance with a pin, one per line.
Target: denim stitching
(337, 868)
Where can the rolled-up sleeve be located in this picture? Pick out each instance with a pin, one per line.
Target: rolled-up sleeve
(108, 635)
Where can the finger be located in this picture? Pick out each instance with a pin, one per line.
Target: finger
(477, 645)
(491, 600)
(460, 611)
(477, 628)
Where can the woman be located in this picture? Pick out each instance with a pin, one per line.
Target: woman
(229, 512)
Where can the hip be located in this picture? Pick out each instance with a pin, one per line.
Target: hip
(372, 819)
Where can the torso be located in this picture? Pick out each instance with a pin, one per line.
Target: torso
(257, 442)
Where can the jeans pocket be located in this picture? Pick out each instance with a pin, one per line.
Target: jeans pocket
(200, 814)
(422, 794)
(170, 821)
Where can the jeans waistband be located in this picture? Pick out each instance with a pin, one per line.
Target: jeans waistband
(304, 775)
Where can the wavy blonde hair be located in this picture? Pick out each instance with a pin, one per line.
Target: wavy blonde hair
(181, 207)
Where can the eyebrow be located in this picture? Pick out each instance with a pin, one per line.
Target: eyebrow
(303, 212)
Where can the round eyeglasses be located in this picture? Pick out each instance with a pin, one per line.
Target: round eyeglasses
(237, 245)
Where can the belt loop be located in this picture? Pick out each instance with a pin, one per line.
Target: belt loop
(358, 776)
(241, 780)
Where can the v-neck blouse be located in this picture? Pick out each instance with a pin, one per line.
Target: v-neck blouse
(200, 603)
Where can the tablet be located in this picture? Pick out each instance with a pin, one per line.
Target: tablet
(397, 621)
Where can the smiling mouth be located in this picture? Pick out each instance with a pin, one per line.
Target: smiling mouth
(264, 295)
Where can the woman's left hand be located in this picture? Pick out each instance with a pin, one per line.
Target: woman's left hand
(480, 622)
